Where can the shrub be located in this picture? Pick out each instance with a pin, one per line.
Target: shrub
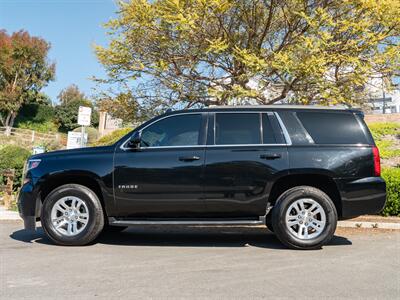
(37, 116)
(392, 178)
(113, 137)
(14, 157)
(378, 130)
(386, 137)
(45, 127)
(387, 148)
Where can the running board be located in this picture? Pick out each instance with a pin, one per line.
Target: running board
(124, 222)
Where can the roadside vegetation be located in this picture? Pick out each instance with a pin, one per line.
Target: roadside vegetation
(392, 178)
(13, 157)
(387, 138)
(111, 138)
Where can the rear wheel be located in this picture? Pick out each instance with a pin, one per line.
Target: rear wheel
(304, 217)
(72, 215)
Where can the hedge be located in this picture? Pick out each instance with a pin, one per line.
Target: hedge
(14, 157)
(392, 178)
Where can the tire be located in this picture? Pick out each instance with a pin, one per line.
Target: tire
(78, 212)
(268, 222)
(304, 218)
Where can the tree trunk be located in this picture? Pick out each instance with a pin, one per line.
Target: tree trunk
(9, 122)
(12, 119)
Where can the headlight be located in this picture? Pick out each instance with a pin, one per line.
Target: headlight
(30, 164)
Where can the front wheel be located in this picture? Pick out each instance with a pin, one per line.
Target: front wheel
(304, 217)
(72, 215)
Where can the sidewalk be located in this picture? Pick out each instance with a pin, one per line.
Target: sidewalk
(372, 222)
(8, 214)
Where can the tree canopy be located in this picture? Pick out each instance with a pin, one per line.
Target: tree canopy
(24, 71)
(67, 114)
(70, 93)
(234, 51)
(123, 106)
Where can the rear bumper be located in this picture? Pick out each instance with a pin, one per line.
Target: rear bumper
(362, 196)
(29, 206)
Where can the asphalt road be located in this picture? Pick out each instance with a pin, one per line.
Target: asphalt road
(206, 263)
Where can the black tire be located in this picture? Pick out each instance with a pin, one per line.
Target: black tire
(282, 205)
(268, 222)
(95, 222)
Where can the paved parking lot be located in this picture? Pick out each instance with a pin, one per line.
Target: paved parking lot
(217, 263)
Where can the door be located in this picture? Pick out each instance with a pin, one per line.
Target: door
(163, 178)
(245, 153)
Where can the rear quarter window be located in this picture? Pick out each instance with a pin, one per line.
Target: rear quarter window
(333, 128)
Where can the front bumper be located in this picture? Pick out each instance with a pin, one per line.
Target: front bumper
(362, 196)
(29, 206)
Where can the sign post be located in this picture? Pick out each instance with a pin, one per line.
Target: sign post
(84, 115)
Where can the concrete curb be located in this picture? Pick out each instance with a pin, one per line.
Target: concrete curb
(6, 215)
(370, 225)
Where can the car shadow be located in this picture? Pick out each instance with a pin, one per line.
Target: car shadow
(181, 236)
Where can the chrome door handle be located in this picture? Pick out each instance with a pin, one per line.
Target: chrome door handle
(189, 158)
(270, 156)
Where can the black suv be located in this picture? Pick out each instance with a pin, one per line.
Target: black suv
(295, 169)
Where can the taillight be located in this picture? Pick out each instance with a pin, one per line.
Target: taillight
(377, 161)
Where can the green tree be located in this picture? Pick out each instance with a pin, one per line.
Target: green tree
(231, 51)
(70, 93)
(67, 114)
(123, 106)
(24, 71)
(38, 115)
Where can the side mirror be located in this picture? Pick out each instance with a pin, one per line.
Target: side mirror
(134, 141)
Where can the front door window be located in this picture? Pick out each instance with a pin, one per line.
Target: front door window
(183, 130)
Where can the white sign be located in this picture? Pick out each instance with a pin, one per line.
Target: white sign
(84, 115)
(38, 150)
(74, 140)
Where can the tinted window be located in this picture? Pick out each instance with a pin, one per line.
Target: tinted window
(183, 130)
(238, 128)
(296, 130)
(268, 133)
(332, 128)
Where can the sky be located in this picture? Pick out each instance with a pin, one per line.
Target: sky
(72, 27)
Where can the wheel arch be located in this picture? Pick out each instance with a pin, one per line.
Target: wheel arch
(87, 179)
(321, 181)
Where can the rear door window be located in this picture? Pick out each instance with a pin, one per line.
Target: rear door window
(237, 128)
(332, 128)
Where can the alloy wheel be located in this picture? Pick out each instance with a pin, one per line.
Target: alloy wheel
(69, 216)
(305, 219)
